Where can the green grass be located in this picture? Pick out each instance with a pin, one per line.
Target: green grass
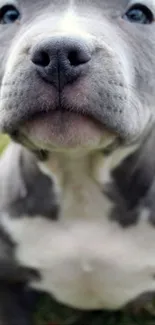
(50, 312)
(4, 140)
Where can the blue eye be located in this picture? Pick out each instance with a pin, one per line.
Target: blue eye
(9, 14)
(139, 14)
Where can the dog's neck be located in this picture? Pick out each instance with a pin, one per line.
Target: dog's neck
(71, 169)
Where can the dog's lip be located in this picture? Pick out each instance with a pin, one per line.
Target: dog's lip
(64, 128)
(60, 109)
(43, 113)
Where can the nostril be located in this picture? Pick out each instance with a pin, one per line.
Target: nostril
(41, 58)
(73, 58)
(77, 57)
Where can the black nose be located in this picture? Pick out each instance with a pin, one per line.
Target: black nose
(61, 60)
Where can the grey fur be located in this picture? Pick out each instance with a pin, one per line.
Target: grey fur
(133, 184)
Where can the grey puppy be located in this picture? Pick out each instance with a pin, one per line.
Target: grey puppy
(77, 184)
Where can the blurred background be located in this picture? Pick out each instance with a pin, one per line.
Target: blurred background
(4, 141)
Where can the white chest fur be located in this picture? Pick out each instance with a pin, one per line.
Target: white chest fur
(86, 260)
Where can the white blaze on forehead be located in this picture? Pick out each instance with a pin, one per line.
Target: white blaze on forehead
(71, 24)
(69, 21)
(71, 3)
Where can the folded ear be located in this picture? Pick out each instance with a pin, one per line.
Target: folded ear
(135, 176)
(14, 160)
(24, 188)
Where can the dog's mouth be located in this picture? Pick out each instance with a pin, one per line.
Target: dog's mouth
(65, 129)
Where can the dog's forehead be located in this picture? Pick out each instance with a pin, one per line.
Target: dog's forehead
(72, 2)
(89, 7)
(58, 4)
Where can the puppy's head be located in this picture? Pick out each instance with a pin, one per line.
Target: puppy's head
(77, 74)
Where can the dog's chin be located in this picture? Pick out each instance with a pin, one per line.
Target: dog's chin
(66, 130)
